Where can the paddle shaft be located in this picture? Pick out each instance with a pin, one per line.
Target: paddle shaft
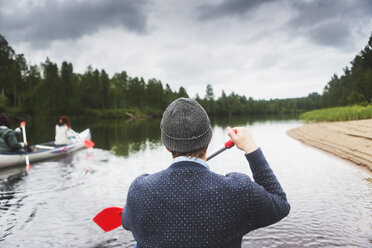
(228, 145)
(23, 126)
(216, 153)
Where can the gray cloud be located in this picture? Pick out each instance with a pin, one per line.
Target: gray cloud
(330, 22)
(331, 34)
(324, 22)
(43, 23)
(228, 8)
(315, 12)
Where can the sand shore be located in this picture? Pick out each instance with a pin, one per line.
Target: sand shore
(351, 140)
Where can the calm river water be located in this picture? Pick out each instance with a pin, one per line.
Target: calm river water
(53, 204)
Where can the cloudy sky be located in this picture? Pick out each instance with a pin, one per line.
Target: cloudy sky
(260, 48)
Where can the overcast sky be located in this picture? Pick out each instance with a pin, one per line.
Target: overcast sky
(260, 48)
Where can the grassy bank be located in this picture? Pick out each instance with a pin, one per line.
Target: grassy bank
(355, 112)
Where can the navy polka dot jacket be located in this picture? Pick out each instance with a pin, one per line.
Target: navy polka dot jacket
(187, 205)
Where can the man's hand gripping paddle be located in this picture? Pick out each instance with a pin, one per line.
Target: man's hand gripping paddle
(110, 218)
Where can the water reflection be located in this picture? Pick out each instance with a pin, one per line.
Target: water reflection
(124, 137)
(120, 136)
(10, 199)
(242, 120)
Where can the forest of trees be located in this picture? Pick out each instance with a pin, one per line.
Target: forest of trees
(355, 85)
(51, 90)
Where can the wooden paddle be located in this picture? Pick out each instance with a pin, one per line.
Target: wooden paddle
(110, 218)
(23, 126)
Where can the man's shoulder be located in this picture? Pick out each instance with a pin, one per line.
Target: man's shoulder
(147, 178)
(162, 176)
(145, 183)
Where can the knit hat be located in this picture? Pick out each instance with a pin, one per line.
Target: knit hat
(4, 120)
(185, 126)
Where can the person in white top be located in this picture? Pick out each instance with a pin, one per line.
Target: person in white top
(64, 132)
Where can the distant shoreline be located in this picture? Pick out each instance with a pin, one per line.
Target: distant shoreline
(351, 140)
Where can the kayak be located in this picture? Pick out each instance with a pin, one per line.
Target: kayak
(45, 151)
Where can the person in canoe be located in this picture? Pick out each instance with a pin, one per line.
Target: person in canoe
(64, 132)
(8, 138)
(187, 205)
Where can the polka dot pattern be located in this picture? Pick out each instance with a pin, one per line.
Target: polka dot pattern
(187, 205)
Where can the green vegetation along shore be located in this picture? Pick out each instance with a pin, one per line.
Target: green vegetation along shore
(347, 113)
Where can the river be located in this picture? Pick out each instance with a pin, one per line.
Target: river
(53, 204)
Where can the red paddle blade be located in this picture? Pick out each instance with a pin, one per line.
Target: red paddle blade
(88, 143)
(109, 218)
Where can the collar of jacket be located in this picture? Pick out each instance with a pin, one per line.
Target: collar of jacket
(191, 159)
(187, 165)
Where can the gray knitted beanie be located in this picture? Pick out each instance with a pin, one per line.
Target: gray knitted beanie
(185, 126)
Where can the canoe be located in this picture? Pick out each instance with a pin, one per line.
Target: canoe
(45, 151)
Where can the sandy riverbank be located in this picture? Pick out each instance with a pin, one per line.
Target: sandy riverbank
(351, 140)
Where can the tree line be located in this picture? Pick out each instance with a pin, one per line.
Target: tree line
(50, 90)
(355, 85)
